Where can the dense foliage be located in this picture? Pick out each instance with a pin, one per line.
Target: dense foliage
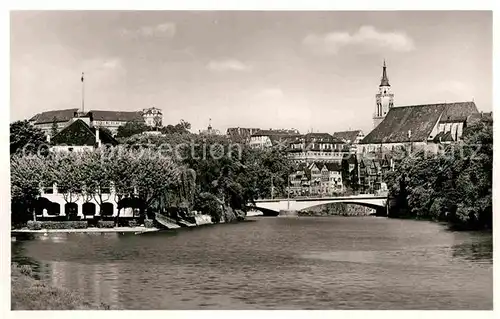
(26, 138)
(157, 172)
(453, 186)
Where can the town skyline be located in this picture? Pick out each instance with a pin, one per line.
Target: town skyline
(269, 70)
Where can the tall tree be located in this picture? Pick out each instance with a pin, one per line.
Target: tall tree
(25, 138)
(55, 128)
(131, 128)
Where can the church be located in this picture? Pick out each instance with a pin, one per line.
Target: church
(414, 126)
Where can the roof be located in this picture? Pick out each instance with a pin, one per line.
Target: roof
(458, 111)
(443, 137)
(414, 123)
(480, 117)
(68, 114)
(134, 116)
(79, 133)
(241, 131)
(333, 166)
(276, 132)
(347, 136)
(385, 79)
(56, 115)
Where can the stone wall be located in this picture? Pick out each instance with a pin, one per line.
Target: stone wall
(338, 209)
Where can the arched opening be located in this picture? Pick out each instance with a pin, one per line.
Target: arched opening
(88, 209)
(107, 210)
(42, 204)
(71, 211)
(55, 209)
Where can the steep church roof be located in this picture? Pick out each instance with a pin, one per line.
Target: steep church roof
(414, 123)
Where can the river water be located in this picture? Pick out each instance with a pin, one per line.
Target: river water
(274, 263)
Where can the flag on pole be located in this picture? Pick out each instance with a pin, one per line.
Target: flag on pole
(82, 76)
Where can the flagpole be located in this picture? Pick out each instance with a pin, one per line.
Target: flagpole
(83, 94)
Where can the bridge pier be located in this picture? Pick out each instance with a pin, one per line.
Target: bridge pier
(288, 213)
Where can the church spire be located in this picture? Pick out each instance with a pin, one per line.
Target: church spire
(385, 79)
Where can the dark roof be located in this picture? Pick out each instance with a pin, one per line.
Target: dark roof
(333, 166)
(241, 131)
(385, 79)
(347, 136)
(57, 115)
(79, 133)
(455, 112)
(480, 117)
(117, 116)
(443, 137)
(275, 132)
(67, 114)
(414, 123)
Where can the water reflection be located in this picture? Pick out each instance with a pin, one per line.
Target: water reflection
(275, 263)
(98, 282)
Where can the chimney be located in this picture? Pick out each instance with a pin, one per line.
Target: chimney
(48, 138)
(409, 133)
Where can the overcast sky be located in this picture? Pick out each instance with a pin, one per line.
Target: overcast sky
(306, 70)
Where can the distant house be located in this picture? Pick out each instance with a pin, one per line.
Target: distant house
(241, 134)
(107, 119)
(418, 126)
(314, 147)
(80, 135)
(152, 116)
(317, 178)
(270, 138)
(371, 170)
(351, 138)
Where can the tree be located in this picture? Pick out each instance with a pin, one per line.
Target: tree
(27, 173)
(68, 174)
(96, 174)
(182, 127)
(26, 138)
(131, 128)
(55, 127)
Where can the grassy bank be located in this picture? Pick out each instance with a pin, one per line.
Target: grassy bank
(29, 293)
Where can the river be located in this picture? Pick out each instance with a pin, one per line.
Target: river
(274, 263)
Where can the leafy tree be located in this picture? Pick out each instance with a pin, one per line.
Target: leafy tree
(131, 128)
(182, 127)
(55, 127)
(455, 185)
(27, 173)
(25, 138)
(96, 175)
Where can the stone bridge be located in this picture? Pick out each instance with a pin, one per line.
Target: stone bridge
(274, 206)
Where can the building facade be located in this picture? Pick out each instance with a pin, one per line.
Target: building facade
(351, 138)
(317, 147)
(316, 179)
(153, 117)
(272, 138)
(241, 134)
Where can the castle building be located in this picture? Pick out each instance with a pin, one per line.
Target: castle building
(384, 99)
(110, 120)
(153, 117)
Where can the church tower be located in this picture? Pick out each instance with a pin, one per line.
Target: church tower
(384, 98)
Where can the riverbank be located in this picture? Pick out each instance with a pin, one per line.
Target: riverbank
(138, 229)
(29, 293)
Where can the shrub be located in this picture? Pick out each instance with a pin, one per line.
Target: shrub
(133, 223)
(80, 224)
(34, 225)
(105, 224)
(149, 223)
